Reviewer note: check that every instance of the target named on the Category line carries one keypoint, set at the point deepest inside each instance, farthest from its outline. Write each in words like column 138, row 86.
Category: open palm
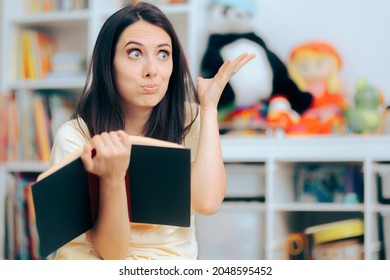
column 210, row 90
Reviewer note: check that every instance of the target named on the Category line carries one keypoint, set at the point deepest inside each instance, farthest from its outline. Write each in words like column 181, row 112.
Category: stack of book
column 30, row 123
column 21, row 236
column 44, row 6
column 67, row 65
column 33, row 54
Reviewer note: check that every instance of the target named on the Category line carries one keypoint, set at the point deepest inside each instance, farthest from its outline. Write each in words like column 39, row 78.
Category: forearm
column 111, row 231
column 208, row 178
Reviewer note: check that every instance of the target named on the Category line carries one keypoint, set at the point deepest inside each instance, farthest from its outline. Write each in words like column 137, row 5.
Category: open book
column 158, row 192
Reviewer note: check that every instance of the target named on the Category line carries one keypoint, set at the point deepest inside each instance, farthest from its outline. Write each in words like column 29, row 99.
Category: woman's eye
column 135, row 54
column 163, row 55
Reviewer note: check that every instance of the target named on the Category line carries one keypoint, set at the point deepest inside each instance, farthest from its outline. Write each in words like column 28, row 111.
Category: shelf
column 241, row 205
column 382, row 208
column 351, row 148
column 55, row 83
column 52, row 18
column 26, row 166
column 322, row 207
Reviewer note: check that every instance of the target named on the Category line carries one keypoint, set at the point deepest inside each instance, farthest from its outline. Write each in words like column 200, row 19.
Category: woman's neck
column 135, row 122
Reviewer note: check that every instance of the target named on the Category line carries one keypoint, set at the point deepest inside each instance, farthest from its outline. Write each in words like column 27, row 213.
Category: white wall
column 359, row 29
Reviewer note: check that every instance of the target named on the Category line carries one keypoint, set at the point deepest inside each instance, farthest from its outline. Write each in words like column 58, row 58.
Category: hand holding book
column 111, row 156
column 66, row 196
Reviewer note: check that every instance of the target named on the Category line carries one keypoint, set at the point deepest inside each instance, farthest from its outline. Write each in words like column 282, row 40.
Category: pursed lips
column 151, row 87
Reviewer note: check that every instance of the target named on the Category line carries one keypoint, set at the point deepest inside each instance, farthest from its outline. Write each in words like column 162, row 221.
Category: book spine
column 4, row 131
column 42, row 130
column 93, row 187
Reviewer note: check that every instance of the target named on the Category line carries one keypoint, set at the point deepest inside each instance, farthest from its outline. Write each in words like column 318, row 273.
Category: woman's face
column 142, row 65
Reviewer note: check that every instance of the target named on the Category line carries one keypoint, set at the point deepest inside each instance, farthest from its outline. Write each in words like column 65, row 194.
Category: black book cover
column 158, row 192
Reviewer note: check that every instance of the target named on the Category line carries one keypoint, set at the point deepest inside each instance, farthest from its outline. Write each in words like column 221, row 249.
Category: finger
column 223, row 72
column 244, row 60
column 233, row 64
column 101, row 145
column 115, row 140
column 239, row 62
column 124, row 138
column 229, row 68
column 106, row 139
column 97, row 142
column 87, row 158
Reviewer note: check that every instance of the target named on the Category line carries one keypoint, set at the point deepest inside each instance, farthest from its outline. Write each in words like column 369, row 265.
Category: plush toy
column 315, row 67
column 280, row 114
column 365, row 116
column 231, row 33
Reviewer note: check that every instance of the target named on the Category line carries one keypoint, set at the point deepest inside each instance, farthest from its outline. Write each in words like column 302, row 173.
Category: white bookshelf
column 279, row 157
column 74, row 31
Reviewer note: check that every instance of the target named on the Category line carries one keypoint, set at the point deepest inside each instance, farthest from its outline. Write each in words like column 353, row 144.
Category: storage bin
column 236, row 232
column 383, row 183
column 245, row 181
column 341, row 240
column 384, row 235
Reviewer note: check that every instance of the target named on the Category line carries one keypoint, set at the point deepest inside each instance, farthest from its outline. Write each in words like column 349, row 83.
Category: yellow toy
column 315, row 67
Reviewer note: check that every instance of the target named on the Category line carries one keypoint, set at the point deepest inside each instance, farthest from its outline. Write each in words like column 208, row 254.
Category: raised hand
column 210, row 90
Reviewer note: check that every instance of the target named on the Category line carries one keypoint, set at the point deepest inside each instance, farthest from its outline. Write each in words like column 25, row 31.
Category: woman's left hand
column 210, row 90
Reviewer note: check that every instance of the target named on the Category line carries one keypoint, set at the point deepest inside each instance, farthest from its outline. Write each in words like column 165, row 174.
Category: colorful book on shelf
column 33, row 54
column 42, row 128
column 4, row 106
column 44, row 47
column 13, row 130
column 32, row 232
column 10, row 199
column 158, row 192
column 28, row 128
column 28, row 56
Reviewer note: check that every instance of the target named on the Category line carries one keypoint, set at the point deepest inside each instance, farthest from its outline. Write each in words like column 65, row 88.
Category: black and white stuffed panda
column 265, row 76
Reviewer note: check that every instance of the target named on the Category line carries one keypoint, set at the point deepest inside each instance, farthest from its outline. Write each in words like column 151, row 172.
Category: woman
column 139, row 84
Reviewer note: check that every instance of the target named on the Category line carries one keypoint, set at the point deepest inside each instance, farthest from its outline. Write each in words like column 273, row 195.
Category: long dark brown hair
column 99, row 104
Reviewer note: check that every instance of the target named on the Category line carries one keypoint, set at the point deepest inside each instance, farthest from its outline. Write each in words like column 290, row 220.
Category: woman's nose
column 150, row 68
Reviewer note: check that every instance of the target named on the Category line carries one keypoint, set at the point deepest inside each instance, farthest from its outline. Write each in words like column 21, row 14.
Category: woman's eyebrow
column 165, row 45
column 132, row 42
column 139, row 44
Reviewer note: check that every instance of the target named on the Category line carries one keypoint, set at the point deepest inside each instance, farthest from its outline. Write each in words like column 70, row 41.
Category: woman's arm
column 110, row 233
column 208, row 178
